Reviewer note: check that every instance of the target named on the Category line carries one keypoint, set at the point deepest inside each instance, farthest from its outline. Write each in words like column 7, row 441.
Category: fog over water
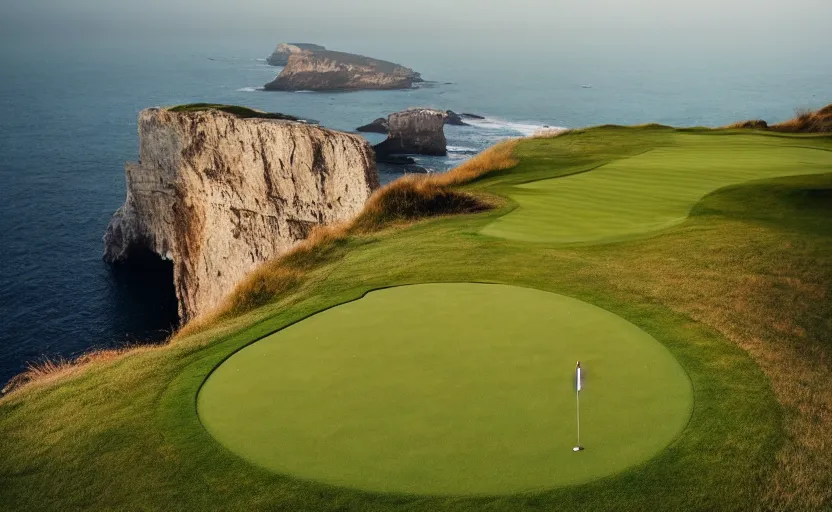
column 76, row 73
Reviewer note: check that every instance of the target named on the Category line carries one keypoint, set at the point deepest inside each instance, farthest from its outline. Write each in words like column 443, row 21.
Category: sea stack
column 280, row 55
column 380, row 124
column 415, row 131
column 218, row 194
column 339, row 71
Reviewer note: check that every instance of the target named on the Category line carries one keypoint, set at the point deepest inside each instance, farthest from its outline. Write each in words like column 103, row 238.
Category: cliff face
column 338, row 71
column 280, row 55
column 218, row 195
column 417, row 131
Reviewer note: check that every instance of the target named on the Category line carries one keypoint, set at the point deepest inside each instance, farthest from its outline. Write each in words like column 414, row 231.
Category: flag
column 578, row 376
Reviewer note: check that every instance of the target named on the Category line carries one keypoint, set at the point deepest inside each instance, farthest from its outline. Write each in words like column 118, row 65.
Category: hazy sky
column 797, row 23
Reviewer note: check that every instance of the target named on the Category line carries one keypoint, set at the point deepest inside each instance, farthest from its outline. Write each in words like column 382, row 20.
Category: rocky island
column 415, row 131
column 220, row 190
column 338, row 71
column 280, row 55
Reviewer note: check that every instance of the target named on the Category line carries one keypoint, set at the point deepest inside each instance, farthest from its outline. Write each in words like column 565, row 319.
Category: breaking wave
column 519, row 128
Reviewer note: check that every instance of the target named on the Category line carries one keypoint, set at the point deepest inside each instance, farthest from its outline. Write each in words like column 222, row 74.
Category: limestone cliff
column 280, row 55
column 417, row 131
column 339, row 71
column 218, row 195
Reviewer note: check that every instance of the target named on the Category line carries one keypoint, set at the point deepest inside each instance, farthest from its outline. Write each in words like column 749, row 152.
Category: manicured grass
column 738, row 293
column 449, row 389
column 647, row 192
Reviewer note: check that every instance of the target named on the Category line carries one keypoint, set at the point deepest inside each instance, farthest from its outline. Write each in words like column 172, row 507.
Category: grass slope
column 738, row 293
column 449, row 389
column 649, row 191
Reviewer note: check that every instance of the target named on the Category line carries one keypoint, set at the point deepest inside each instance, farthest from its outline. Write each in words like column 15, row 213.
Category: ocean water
column 68, row 123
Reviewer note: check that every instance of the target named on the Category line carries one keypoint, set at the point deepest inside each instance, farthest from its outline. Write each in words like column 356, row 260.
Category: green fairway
column 449, row 389
column 647, row 192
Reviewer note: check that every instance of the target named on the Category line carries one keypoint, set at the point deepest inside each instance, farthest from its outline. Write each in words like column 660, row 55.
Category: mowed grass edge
column 369, row 395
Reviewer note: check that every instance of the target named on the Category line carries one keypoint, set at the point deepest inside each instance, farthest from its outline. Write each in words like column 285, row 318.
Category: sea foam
column 525, row 129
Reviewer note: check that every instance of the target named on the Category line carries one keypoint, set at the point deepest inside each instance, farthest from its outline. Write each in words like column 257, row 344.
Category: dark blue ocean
column 68, row 124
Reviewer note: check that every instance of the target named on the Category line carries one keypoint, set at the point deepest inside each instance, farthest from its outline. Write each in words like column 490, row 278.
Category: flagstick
column 578, row 405
column 578, row 409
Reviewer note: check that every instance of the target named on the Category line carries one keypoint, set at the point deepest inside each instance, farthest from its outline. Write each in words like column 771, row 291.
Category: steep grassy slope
column 738, row 293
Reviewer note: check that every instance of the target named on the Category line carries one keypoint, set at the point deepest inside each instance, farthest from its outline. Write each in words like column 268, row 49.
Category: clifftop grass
column 241, row 112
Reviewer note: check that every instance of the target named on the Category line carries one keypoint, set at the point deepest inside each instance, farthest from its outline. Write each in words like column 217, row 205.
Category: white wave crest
column 525, row 129
column 462, row 149
column 250, row 89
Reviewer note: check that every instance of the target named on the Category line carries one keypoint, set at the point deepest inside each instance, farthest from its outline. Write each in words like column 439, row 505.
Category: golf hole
column 449, row 389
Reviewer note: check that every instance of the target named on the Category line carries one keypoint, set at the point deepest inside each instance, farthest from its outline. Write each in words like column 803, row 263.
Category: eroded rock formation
column 415, row 131
column 454, row 119
column 339, row 71
column 380, row 124
column 218, row 195
column 280, row 55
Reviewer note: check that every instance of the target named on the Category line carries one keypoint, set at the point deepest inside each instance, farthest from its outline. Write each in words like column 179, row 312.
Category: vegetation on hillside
column 738, row 293
column 805, row 121
column 408, row 199
column 241, row 112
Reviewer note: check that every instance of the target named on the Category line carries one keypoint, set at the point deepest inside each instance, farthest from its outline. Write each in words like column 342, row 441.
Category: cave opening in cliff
column 145, row 296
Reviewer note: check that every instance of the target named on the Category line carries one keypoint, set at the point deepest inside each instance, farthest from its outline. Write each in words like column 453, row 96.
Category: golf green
column 449, row 389
column 647, row 192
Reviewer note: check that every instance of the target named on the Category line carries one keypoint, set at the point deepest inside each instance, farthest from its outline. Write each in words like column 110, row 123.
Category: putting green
column 648, row 192
column 449, row 389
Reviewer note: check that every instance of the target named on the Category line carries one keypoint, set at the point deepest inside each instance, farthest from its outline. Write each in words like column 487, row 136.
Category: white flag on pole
column 578, row 376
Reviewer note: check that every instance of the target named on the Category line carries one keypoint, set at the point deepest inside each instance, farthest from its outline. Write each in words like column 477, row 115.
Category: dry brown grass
column 412, row 198
column 808, row 121
column 402, row 202
column 752, row 124
column 272, row 278
column 50, row 369
column 804, row 121
column 496, row 158
column 548, row 133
